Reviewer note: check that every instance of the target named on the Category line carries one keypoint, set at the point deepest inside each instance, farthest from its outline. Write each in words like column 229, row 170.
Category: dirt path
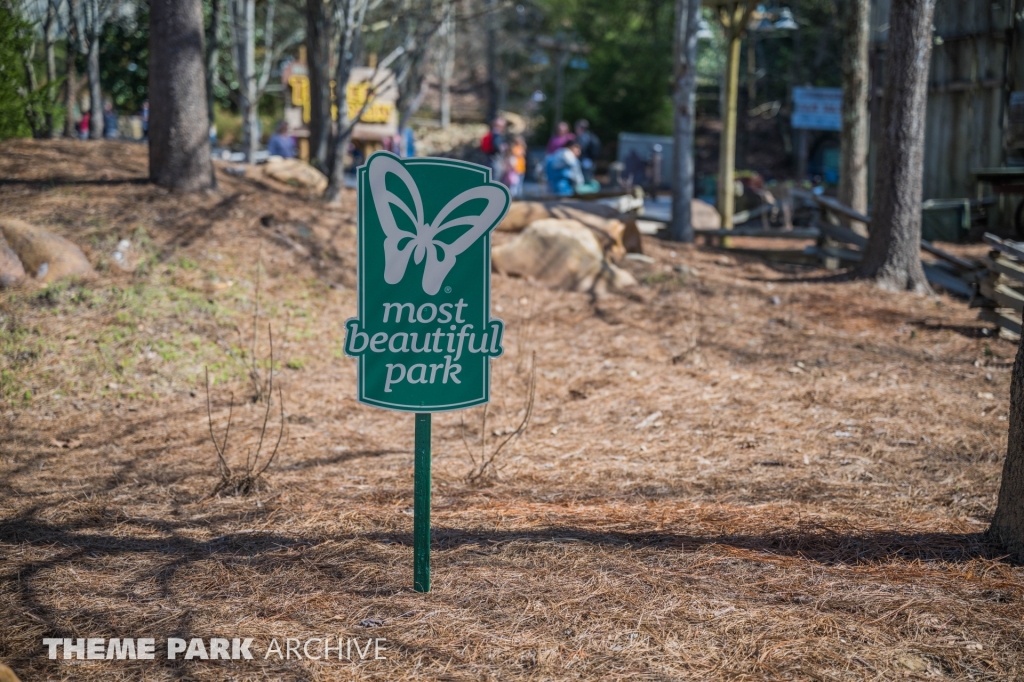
column 732, row 473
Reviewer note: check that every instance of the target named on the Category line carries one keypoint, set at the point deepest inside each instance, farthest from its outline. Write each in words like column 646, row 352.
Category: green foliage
column 711, row 52
column 809, row 55
column 22, row 112
column 124, row 62
column 14, row 41
column 627, row 83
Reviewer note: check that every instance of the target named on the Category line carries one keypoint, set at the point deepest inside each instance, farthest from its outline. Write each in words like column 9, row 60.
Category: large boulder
column 617, row 232
column 704, row 216
column 561, row 254
column 12, row 272
column 44, row 255
column 522, row 213
column 295, row 172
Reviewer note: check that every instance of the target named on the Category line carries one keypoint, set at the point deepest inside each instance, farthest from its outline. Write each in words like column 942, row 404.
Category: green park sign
column 423, row 335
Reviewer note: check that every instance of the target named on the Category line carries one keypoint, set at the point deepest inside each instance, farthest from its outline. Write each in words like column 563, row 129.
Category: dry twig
column 484, row 466
column 250, row 479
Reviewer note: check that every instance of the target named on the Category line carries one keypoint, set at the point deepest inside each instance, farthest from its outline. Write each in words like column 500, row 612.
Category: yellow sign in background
column 379, row 109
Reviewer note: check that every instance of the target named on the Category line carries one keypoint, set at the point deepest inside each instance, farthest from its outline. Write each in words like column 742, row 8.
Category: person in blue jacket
column 109, row 121
column 280, row 143
column 562, row 169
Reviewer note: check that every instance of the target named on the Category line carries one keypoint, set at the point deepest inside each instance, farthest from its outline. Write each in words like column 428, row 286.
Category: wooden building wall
column 976, row 64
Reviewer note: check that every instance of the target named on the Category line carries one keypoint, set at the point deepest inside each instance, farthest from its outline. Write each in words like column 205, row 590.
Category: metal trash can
column 945, row 220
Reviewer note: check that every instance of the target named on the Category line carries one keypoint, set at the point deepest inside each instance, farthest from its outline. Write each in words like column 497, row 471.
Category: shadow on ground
column 820, row 545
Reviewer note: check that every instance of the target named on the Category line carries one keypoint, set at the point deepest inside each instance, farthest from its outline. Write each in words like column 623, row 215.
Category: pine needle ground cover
column 732, row 472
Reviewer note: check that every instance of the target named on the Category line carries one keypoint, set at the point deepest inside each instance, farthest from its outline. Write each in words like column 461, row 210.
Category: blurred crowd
column 507, row 153
column 569, row 159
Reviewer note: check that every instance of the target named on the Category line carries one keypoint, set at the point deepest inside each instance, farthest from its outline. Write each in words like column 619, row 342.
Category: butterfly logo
column 401, row 245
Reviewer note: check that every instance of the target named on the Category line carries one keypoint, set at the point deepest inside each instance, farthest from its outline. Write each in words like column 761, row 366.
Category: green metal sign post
column 423, row 336
column 421, row 507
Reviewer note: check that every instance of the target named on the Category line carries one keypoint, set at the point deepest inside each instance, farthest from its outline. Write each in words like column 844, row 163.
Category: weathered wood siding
column 974, row 67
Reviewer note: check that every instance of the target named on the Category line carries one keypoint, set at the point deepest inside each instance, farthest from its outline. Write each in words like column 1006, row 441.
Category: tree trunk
column 70, row 91
column 339, row 146
column 410, row 78
column 350, row 19
column 213, row 53
column 95, row 90
column 853, row 169
column 684, row 90
column 243, row 22
column 412, row 104
column 70, row 77
column 892, row 257
column 1007, row 527
column 28, row 59
column 179, row 148
column 561, row 60
column 51, row 63
column 492, row 63
column 447, row 65
column 318, row 51
column 340, row 140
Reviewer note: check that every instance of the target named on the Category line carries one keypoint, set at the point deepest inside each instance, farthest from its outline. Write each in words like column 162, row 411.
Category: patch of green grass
column 71, row 339
column 295, row 363
column 81, row 296
column 168, row 351
column 20, row 348
column 657, row 278
column 50, row 295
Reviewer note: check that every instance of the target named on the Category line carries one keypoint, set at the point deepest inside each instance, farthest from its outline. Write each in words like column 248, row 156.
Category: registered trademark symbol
column 447, row 290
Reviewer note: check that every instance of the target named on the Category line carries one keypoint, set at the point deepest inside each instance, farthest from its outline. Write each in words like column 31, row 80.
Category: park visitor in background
column 281, row 144
column 515, row 166
column 109, row 121
column 590, row 148
column 495, row 145
column 561, row 135
column 563, row 169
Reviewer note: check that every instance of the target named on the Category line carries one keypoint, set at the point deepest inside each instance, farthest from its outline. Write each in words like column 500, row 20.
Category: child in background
column 563, row 169
column 515, row 166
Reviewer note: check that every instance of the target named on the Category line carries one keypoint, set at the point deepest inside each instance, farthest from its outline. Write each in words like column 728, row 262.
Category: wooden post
column 727, row 151
column 734, row 17
column 421, row 506
column 854, row 138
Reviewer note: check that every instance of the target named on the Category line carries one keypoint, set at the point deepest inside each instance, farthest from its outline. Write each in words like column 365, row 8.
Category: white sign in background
column 818, row 108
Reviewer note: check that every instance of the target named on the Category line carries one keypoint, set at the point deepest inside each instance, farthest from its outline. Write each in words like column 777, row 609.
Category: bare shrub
column 484, row 464
column 248, row 479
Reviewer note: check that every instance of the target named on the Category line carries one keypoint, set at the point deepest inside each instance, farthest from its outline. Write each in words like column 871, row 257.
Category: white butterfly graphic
column 399, row 244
